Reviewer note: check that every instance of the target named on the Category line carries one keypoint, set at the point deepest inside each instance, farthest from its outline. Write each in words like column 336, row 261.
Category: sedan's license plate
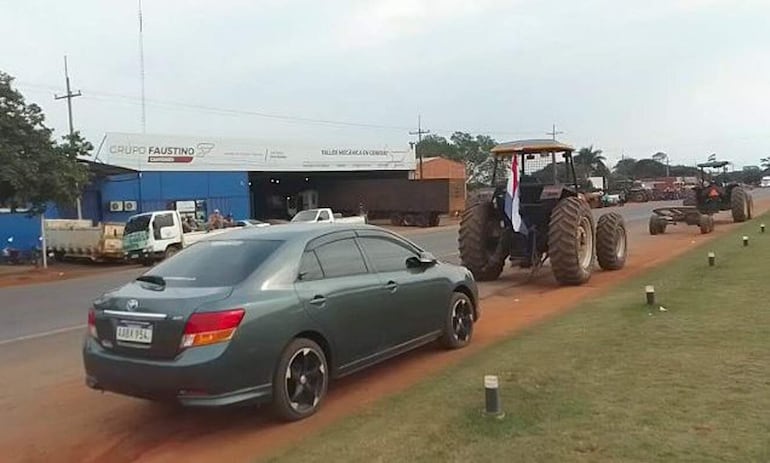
column 134, row 333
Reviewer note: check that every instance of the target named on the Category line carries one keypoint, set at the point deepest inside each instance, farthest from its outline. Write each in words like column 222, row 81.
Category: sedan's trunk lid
column 146, row 318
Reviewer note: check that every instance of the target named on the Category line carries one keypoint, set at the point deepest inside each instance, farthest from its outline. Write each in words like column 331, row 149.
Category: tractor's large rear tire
column 571, row 241
column 482, row 240
column 611, row 241
column 739, row 201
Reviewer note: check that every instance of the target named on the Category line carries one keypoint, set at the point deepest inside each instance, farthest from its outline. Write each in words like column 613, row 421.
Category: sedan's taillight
column 92, row 322
column 211, row 327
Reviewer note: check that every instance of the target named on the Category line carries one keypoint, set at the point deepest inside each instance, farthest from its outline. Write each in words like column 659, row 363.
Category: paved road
column 37, row 310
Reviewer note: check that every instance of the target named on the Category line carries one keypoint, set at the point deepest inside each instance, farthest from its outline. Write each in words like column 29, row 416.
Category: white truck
column 325, row 215
column 80, row 239
column 765, row 182
column 153, row 236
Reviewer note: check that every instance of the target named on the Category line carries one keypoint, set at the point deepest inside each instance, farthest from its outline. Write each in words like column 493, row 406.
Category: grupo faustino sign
column 178, row 153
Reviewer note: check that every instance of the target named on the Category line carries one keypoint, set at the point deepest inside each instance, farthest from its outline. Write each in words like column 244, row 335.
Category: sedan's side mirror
column 425, row 259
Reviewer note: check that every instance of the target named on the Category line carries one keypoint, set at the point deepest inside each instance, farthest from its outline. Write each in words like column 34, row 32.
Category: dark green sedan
column 272, row 314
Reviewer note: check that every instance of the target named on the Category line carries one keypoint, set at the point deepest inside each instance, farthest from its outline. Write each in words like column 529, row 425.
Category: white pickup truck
column 325, row 215
column 153, row 236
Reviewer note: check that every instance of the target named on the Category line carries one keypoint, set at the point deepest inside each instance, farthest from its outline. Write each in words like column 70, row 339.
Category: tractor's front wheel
column 706, row 224
column 611, row 243
column 571, row 241
column 739, row 201
column 482, row 242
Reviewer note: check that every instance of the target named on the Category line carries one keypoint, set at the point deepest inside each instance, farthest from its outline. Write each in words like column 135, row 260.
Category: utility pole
column 420, row 132
column 141, row 66
column 553, row 134
column 69, row 96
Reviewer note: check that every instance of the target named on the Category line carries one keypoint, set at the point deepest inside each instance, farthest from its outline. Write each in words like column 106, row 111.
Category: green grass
column 610, row 381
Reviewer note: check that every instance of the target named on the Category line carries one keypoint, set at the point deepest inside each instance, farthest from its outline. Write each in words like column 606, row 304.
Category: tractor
column 713, row 195
column 556, row 223
column 702, row 201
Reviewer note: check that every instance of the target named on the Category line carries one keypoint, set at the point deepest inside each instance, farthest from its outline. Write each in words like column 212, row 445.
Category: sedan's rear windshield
column 215, row 263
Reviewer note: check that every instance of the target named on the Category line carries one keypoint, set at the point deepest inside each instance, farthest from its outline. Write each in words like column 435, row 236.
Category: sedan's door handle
column 318, row 300
column 391, row 286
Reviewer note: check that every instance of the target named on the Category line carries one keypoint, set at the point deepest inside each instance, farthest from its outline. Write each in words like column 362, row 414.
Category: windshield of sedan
column 215, row 263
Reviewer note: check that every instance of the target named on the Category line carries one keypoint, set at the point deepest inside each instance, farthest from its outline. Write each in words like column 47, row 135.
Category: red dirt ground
column 27, row 275
column 49, row 415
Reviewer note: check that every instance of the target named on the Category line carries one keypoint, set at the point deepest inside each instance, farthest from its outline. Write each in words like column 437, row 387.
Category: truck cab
column 152, row 236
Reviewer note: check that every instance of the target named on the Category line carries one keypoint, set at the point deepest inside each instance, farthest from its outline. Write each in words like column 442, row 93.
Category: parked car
column 248, row 223
column 325, row 215
column 272, row 314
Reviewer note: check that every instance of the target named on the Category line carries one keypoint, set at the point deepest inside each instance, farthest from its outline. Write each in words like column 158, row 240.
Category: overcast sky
column 688, row 77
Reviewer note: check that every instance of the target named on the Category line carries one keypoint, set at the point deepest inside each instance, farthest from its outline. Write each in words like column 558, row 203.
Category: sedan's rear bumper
column 204, row 381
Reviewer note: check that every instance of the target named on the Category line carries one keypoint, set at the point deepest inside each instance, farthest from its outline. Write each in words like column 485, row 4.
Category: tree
column 625, row 167
column 476, row 153
column 648, row 168
column 473, row 151
column 35, row 169
column 752, row 177
column 765, row 162
column 436, row 146
column 590, row 162
column 684, row 171
column 660, row 156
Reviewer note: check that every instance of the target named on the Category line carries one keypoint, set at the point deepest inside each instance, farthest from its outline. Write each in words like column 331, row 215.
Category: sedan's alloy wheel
column 305, row 379
column 462, row 320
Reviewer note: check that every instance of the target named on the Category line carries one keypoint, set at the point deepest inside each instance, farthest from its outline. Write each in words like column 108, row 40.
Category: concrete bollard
column 745, row 241
column 650, row 292
column 762, row 228
column 712, row 259
column 492, row 397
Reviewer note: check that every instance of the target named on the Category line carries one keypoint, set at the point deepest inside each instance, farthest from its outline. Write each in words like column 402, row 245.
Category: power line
column 168, row 104
column 419, row 134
